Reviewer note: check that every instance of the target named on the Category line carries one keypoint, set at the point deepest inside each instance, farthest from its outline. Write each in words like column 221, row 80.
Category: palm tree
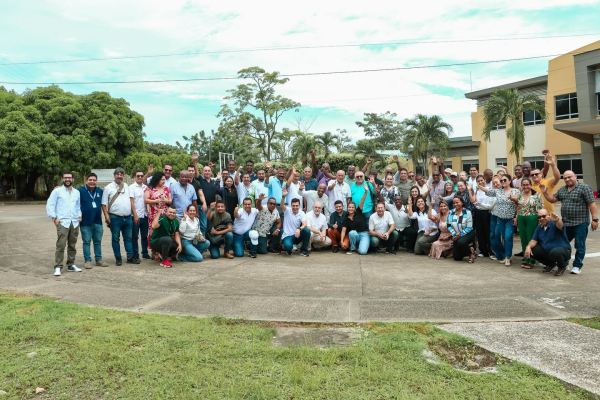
column 326, row 140
column 303, row 144
column 368, row 148
column 423, row 134
column 507, row 106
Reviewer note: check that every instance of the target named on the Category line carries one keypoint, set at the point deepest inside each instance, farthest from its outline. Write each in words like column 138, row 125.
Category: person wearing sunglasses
column 537, row 179
column 549, row 243
column 167, row 170
column 506, row 210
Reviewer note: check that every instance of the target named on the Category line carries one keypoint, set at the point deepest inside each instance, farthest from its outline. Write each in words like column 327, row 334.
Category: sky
column 234, row 35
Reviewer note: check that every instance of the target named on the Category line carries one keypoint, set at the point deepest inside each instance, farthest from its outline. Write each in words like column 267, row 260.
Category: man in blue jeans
column 578, row 202
column 244, row 219
column 267, row 223
column 91, row 221
column 221, row 230
column 294, row 226
column 118, row 207
column 140, row 218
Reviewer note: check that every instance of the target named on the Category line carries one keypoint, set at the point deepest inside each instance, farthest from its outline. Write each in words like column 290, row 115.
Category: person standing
column 482, row 216
column 355, row 226
column 250, row 170
column 312, row 196
column 140, row 217
column 357, row 192
column 257, row 187
column 206, row 196
column 167, row 171
column 403, row 183
column 339, row 190
column 118, row 207
column 349, row 177
column 473, row 173
column 442, row 247
column 537, row 179
column 577, row 203
column 183, row 194
column 91, row 221
column 64, row 207
column 310, row 183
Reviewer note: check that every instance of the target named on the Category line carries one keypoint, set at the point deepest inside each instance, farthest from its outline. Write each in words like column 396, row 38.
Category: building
column 571, row 91
column 462, row 153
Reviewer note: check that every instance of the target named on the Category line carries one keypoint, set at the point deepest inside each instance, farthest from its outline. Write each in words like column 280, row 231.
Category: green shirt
column 166, row 227
column 216, row 218
column 405, row 189
column 349, row 181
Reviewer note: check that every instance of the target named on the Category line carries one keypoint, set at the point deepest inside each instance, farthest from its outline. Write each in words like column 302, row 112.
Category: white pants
column 317, row 243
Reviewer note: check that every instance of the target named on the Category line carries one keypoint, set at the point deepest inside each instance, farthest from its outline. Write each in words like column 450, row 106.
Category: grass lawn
column 90, row 353
column 589, row 322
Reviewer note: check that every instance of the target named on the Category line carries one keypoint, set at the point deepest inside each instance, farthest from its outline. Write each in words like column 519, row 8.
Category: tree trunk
column 29, row 185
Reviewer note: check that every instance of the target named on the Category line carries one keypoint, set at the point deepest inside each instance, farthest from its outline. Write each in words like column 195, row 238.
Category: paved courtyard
column 324, row 287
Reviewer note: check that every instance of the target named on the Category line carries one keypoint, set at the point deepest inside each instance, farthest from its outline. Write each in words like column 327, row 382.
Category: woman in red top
column 158, row 197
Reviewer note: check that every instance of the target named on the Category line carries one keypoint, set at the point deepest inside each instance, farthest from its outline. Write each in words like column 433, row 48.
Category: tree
column 383, row 127
column 304, row 143
column 326, row 140
column 506, row 106
column 257, row 107
column 423, row 134
column 161, row 148
column 369, row 149
column 343, row 142
column 283, row 144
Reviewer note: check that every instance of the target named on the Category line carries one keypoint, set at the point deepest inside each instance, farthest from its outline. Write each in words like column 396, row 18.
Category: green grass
column 589, row 322
column 90, row 353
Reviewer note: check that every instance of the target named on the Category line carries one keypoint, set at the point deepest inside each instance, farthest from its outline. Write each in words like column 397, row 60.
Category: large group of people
column 240, row 210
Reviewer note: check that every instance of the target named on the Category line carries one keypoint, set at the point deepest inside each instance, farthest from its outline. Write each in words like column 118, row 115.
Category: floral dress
column 444, row 242
column 529, row 206
column 156, row 210
column 389, row 194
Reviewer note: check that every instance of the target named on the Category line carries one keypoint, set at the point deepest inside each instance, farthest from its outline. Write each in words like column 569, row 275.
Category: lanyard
column 92, row 195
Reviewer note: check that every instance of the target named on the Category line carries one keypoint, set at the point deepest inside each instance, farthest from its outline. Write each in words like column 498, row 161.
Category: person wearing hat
column 242, row 229
column 454, row 179
column 118, row 208
column 316, row 222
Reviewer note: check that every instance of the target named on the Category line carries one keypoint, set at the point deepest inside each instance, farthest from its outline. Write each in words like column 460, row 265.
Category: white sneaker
column 576, row 270
column 480, row 255
column 57, row 271
column 295, row 248
column 73, row 268
column 507, row 262
column 493, row 258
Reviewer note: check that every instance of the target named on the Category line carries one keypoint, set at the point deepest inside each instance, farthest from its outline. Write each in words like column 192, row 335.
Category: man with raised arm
column 268, row 225
column 294, row 226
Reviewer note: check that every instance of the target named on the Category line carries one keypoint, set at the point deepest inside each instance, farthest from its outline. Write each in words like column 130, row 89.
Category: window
column 499, row 126
column 500, row 161
column 597, row 103
column 532, row 118
column 536, row 162
column 570, row 162
column 566, row 106
column 466, row 165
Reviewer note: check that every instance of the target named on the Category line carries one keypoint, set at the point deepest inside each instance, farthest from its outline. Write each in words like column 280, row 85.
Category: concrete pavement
column 324, row 287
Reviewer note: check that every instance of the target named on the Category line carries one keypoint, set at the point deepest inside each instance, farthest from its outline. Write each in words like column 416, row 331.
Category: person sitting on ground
column 427, row 230
column 442, row 247
column 221, row 231
column 192, row 241
column 550, row 244
column 336, row 221
column 355, row 224
column 401, row 224
column 312, row 196
column 460, row 225
column 529, row 202
column 294, row 226
column 382, row 230
column 165, row 240
column 242, row 228
column 316, row 222
column 268, row 225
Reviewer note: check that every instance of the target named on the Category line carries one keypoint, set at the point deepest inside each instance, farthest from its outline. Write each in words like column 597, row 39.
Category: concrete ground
column 324, row 287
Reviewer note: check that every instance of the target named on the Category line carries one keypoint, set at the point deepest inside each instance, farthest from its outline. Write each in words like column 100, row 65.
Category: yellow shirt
column 549, row 183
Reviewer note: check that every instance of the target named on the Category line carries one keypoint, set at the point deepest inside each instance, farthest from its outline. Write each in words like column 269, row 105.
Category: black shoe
column 272, row 251
column 133, row 260
column 252, row 255
column 304, row 253
column 390, row 252
column 146, row 257
column 335, row 249
column 549, row 267
column 119, row 261
column 519, row 254
column 289, row 252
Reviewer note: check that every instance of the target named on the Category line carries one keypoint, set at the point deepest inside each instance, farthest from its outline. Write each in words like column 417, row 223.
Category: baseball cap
column 454, row 174
column 253, row 237
column 448, row 171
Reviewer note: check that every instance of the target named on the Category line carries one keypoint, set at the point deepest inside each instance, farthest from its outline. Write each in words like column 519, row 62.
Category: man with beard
column 118, row 207
column 267, row 224
column 550, row 244
column 64, row 207
column 312, row 196
column 242, row 228
column 257, row 187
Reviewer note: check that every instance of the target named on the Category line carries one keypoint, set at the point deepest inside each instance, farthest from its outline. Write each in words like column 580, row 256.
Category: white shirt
column 293, row 193
column 243, row 192
column 425, row 224
column 381, row 224
column 292, row 221
column 138, row 199
column 472, row 181
column 188, row 228
column 257, row 188
column 319, row 223
column 168, row 182
column 311, row 197
column 400, row 217
column 339, row 192
column 65, row 205
column 243, row 223
column 122, row 205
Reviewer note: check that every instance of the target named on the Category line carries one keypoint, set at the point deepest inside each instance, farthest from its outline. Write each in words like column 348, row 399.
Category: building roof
column 540, row 80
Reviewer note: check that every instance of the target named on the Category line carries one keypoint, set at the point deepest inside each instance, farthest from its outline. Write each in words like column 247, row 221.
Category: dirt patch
column 315, row 337
column 29, row 310
column 466, row 356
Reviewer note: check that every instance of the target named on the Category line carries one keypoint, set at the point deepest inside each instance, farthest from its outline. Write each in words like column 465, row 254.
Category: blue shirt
column 275, row 187
column 357, row 194
column 65, row 206
column 182, row 198
column 551, row 237
column 89, row 214
column 311, row 184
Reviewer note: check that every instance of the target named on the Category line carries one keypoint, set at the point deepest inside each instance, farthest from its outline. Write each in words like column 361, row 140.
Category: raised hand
column 212, row 205
column 311, row 152
column 549, row 159
column 150, row 169
column 184, row 216
column 284, row 192
column 395, row 158
column 369, row 160
column 235, row 211
column 469, row 187
column 554, row 217
column 210, row 165
column 268, row 164
column 434, row 159
column 377, row 188
column 194, row 156
column 301, row 185
column 219, row 175
column 543, row 188
column 240, row 168
column 261, row 197
column 409, row 203
column 441, row 160
column 365, row 186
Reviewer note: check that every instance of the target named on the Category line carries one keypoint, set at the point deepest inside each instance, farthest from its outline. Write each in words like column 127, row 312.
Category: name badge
column 93, row 204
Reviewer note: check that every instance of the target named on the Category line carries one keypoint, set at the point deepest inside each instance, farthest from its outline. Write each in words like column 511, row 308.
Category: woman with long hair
column 414, row 194
column 528, row 204
column 460, row 225
column 228, row 194
column 481, row 216
column 506, row 210
column 490, row 206
column 462, row 192
column 388, row 190
column 158, row 197
column 442, row 247
column 427, row 231
column 356, row 227
column 448, row 191
column 192, row 242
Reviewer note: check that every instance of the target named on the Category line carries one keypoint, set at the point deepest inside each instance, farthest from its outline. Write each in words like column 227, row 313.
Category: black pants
column 166, row 246
column 559, row 255
column 462, row 247
column 482, row 227
column 408, row 235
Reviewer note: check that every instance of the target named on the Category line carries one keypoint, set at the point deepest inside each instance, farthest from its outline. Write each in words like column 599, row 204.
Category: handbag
column 217, row 240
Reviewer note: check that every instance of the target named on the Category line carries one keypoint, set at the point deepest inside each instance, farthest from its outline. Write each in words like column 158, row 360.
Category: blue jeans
column 290, row 241
column 262, row 242
column 91, row 233
column 368, row 215
column 506, row 230
column 203, row 220
column 238, row 244
column 493, row 223
column 118, row 225
column 191, row 252
column 363, row 239
column 214, row 250
column 140, row 229
column 579, row 233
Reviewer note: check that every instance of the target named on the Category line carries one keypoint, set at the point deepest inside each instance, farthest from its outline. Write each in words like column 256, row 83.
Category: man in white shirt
column 244, row 187
column 339, row 190
column 118, row 207
column 168, row 171
column 312, row 196
column 294, row 226
column 140, row 217
column 293, row 188
column 242, row 228
column 472, row 176
column 316, row 222
column 257, row 187
column 401, row 222
column 382, row 230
